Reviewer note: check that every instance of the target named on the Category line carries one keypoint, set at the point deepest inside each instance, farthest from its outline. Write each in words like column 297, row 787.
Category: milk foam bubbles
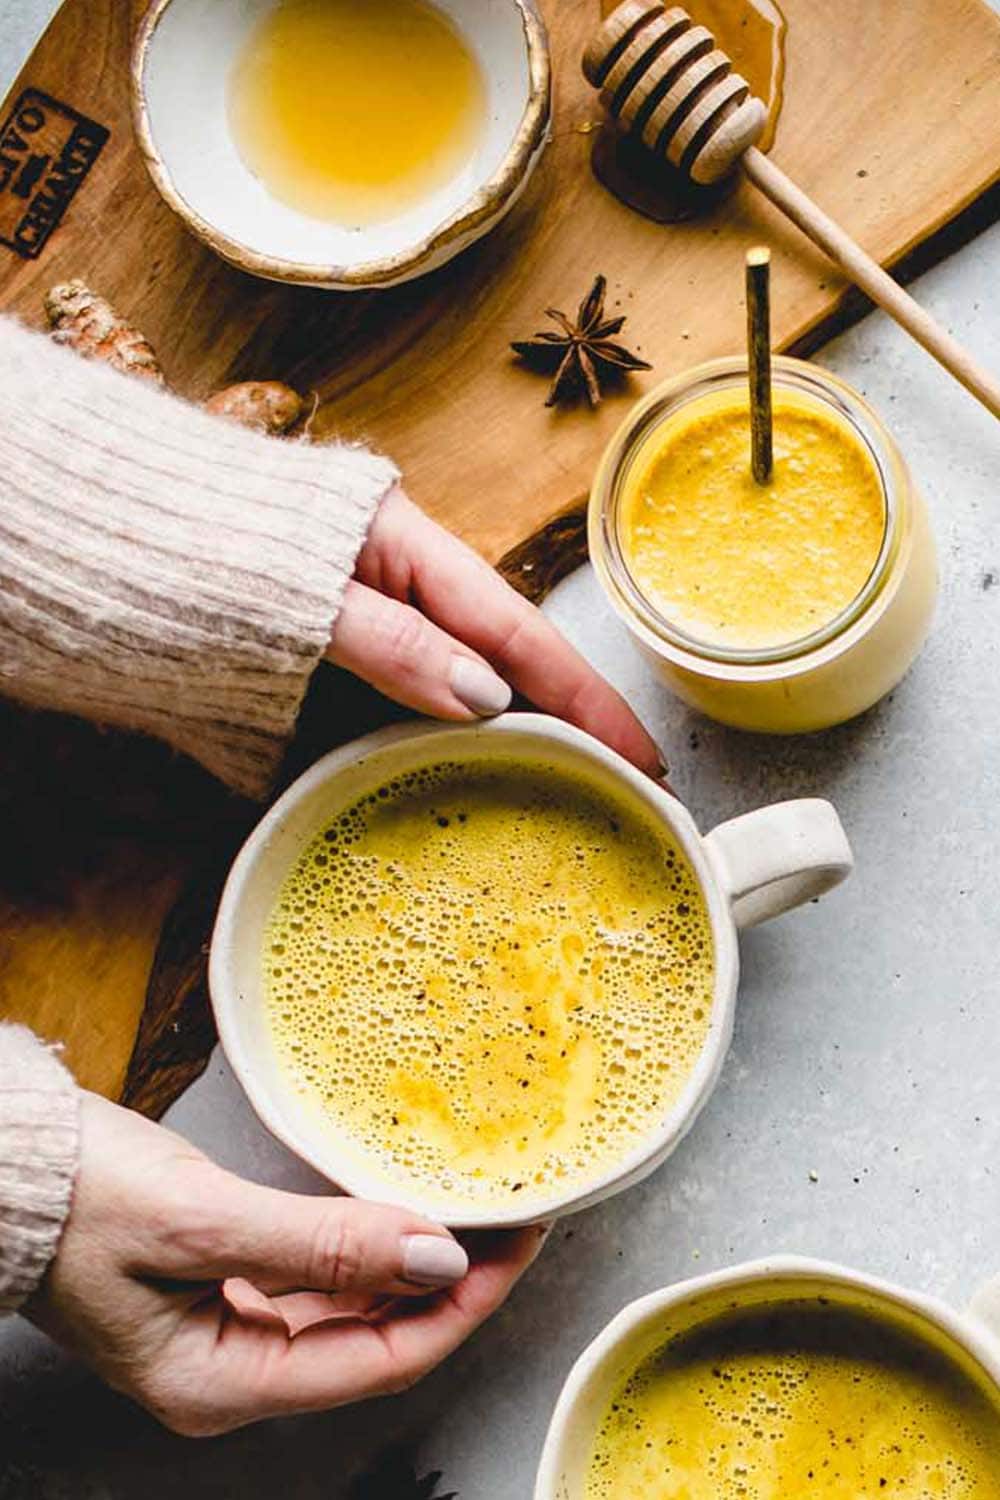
column 493, row 976
column 809, row 1399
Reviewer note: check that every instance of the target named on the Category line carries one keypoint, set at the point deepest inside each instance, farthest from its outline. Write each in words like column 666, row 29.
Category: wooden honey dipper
column 663, row 79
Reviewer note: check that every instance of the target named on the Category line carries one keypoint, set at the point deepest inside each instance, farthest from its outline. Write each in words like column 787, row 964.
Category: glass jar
column 820, row 679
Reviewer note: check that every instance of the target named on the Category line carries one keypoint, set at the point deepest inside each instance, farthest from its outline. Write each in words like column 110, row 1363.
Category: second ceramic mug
column 972, row 1337
column 749, row 869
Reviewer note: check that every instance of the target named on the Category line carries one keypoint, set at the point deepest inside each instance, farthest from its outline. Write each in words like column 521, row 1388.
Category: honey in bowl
column 804, row 1398
column 493, row 976
column 355, row 112
column 742, row 565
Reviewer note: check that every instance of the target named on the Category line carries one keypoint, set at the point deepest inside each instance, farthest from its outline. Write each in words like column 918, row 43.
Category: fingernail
column 431, row 1260
column 479, row 687
column 663, row 777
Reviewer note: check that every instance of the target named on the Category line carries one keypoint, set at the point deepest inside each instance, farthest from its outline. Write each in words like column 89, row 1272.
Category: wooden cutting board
column 110, row 849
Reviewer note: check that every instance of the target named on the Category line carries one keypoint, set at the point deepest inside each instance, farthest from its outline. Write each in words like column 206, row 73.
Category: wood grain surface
column 112, row 850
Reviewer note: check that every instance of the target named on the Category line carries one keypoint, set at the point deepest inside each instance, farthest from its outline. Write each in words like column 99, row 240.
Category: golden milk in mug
column 488, row 971
column 786, row 1377
column 809, row 1396
column 782, row 607
column 493, row 974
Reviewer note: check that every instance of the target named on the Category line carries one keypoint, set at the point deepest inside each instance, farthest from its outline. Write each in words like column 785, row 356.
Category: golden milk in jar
column 781, row 607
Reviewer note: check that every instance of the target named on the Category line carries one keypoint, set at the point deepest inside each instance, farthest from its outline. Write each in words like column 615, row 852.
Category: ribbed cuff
column 165, row 570
column 39, row 1148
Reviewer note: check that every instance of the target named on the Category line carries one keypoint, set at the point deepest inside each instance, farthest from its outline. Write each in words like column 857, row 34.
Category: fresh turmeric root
column 265, row 405
column 85, row 322
column 88, row 324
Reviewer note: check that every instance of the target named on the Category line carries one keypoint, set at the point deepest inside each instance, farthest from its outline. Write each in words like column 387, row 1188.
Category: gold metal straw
column 758, row 275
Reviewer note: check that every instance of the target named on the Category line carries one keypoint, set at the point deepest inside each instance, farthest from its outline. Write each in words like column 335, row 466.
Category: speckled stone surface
column 867, row 1046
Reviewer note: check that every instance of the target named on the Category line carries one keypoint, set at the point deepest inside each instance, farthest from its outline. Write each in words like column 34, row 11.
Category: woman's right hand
column 215, row 1302
column 429, row 623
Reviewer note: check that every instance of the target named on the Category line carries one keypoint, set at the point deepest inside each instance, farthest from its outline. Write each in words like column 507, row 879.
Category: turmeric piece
column 88, row 324
column 265, row 405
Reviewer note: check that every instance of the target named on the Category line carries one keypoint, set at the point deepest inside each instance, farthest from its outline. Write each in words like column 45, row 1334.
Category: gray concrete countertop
column 857, row 1116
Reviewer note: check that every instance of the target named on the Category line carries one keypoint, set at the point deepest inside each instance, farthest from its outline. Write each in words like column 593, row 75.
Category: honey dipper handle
column 870, row 277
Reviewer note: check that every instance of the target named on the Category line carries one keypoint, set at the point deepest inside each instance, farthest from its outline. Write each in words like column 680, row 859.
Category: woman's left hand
column 215, row 1302
column 429, row 623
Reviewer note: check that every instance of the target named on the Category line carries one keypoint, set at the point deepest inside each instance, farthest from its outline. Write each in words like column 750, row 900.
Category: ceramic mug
column 645, row 1325
column 749, row 869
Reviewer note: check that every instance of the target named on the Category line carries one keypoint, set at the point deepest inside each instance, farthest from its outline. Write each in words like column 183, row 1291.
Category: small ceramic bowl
column 183, row 56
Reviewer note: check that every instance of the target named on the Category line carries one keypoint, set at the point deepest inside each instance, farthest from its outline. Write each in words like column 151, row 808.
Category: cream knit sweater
column 164, row 571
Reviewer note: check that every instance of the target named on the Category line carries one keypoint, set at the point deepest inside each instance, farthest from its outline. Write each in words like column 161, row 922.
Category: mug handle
column 778, row 857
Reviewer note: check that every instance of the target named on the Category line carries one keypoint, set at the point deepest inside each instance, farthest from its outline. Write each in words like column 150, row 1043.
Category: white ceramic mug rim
column 969, row 1332
column 658, row 1143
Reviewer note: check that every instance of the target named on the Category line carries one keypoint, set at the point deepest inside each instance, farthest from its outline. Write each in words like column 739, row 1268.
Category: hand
column 330, row 1298
column 429, row 623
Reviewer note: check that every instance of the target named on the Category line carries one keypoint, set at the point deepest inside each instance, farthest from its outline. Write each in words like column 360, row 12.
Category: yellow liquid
column 804, row 1402
column 493, row 976
column 742, row 565
column 353, row 111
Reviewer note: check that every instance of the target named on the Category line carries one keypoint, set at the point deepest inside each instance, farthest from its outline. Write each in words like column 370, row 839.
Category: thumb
column 284, row 1241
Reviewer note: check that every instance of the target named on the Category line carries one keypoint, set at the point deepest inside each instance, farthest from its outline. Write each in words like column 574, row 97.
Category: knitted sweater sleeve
column 39, row 1109
column 163, row 570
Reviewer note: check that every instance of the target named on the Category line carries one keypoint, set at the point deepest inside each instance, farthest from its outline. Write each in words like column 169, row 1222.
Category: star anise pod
column 581, row 352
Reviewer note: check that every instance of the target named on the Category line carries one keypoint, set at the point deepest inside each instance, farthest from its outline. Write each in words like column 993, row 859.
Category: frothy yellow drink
column 810, row 1400
column 493, row 976
column 741, row 565
column 352, row 111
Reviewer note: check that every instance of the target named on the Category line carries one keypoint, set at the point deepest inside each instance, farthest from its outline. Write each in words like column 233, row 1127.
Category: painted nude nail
column 431, row 1260
column 479, row 687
